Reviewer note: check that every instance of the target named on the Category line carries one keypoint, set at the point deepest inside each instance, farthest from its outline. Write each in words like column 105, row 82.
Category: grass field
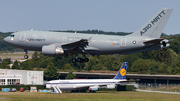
column 98, row 96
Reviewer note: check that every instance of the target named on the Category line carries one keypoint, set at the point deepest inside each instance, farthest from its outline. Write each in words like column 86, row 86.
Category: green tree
column 141, row 66
column 67, row 67
column 70, row 75
column 4, row 65
column 51, row 72
column 26, row 65
column 8, row 60
column 35, row 55
column 16, row 65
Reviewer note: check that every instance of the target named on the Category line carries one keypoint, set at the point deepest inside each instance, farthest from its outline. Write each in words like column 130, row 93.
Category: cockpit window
column 11, row 35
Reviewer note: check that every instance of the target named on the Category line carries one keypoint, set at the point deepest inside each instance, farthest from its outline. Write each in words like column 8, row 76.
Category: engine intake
column 59, row 50
column 52, row 50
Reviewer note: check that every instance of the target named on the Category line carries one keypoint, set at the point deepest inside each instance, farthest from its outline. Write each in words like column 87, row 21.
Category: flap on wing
column 83, row 86
column 154, row 41
column 91, row 48
column 81, row 43
column 76, row 43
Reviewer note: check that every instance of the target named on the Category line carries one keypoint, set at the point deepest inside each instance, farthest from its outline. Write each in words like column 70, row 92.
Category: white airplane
column 89, row 84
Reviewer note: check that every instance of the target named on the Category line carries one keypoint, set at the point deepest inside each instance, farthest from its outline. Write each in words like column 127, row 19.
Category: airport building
column 25, row 77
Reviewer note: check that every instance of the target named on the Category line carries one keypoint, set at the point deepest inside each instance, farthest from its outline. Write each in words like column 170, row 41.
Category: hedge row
column 26, row 87
column 125, row 88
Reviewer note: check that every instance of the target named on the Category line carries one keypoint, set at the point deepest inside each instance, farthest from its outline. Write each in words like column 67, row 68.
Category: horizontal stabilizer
column 153, row 41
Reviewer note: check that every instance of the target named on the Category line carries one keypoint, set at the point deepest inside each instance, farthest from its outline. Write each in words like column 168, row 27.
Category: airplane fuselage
column 64, row 44
column 98, row 44
column 82, row 84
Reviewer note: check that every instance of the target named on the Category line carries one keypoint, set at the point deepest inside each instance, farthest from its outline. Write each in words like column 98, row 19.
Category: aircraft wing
column 83, row 86
column 77, row 44
column 89, row 85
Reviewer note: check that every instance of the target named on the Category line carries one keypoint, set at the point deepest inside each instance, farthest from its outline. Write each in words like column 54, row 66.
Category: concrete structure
column 26, row 77
column 139, row 78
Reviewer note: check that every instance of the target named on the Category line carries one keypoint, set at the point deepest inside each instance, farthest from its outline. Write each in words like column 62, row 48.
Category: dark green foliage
column 103, row 62
column 51, row 72
column 130, row 59
column 27, row 65
column 70, row 75
column 130, row 87
column 67, row 67
column 35, row 56
column 16, row 65
column 5, row 63
column 125, row 88
column 140, row 65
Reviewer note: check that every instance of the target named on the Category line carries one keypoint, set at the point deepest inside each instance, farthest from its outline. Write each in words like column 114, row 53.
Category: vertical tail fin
column 154, row 27
column 122, row 72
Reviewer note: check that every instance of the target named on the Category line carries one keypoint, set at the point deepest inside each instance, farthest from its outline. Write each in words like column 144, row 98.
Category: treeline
column 162, row 61
column 95, row 32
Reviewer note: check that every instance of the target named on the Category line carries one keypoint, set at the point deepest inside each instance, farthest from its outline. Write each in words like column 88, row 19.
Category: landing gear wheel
column 26, row 56
column 79, row 59
column 86, row 60
column 82, row 60
column 73, row 60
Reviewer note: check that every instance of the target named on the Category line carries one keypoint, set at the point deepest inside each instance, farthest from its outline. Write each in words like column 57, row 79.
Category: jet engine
column 164, row 42
column 93, row 88
column 112, row 86
column 53, row 50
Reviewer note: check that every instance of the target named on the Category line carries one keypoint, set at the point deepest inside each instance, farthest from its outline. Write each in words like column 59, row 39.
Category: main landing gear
column 25, row 56
column 80, row 60
column 77, row 59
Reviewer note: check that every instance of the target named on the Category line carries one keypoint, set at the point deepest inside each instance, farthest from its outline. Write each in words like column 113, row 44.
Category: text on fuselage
column 156, row 19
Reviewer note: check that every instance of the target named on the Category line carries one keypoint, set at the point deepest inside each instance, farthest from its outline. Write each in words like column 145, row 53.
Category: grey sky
column 106, row 15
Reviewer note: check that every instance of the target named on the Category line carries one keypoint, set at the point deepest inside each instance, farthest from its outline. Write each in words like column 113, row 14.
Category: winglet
column 122, row 72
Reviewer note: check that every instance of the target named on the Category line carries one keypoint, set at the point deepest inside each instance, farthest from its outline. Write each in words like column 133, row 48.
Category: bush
column 125, row 87
column 130, row 87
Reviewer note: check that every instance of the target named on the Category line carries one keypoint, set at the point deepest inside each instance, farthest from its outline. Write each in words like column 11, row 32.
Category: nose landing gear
column 26, row 56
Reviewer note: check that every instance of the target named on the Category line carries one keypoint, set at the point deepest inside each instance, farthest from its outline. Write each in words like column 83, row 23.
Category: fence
column 160, row 87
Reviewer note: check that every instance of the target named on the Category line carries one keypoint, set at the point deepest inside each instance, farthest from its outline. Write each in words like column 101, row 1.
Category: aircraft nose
column 6, row 39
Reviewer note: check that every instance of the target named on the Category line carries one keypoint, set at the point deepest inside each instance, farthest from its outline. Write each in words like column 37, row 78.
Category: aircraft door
column 123, row 42
column 22, row 37
column 64, row 40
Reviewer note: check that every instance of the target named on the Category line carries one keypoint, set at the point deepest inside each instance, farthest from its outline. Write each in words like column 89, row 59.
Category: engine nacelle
column 112, row 86
column 164, row 42
column 94, row 88
column 167, row 45
column 52, row 50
